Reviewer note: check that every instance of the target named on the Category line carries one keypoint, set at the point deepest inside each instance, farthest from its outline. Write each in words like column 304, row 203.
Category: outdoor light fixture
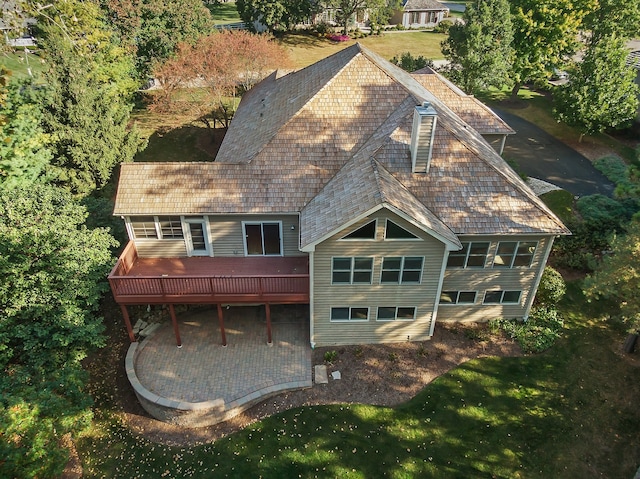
column 293, row 227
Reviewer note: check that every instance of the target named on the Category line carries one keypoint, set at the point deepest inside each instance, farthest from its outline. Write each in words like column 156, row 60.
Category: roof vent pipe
column 425, row 118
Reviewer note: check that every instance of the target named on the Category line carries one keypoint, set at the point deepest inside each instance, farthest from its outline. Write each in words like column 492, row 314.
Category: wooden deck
column 282, row 280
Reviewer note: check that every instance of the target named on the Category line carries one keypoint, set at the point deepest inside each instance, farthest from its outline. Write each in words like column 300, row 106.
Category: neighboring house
column 353, row 187
column 420, row 14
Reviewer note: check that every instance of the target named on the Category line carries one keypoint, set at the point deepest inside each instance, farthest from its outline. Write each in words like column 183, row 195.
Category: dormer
column 425, row 118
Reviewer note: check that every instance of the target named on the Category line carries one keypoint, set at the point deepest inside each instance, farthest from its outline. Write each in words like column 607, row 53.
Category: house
column 353, row 187
column 420, row 14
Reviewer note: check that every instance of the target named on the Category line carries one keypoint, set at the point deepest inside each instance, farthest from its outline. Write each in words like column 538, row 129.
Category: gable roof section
column 475, row 113
column 372, row 187
column 294, row 135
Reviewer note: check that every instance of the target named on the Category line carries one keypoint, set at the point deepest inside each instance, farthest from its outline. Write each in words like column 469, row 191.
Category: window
column 415, row 17
column 394, row 232
column 458, row 297
column 402, row 270
column 349, row 314
column 472, row 255
column 171, row 227
column 156, row 227
column 514, row 253
column 262, row 239
column 366, row 232
column 393, row 313
column 502, row 297
column 352, row 270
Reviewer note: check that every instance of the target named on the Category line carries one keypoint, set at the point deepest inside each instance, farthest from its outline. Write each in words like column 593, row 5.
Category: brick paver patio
column 203, row 370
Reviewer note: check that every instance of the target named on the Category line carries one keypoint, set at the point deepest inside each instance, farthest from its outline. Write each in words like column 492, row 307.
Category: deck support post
column 174, row 320
column 127, row 322
column 221, row 322
column 268, row 314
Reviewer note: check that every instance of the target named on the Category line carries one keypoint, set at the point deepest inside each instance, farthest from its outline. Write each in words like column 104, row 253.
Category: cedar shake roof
column 467, row 107
column 331, row 142
column 410, row 5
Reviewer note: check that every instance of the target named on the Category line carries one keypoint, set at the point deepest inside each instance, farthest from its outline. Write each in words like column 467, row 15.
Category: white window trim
column 350, row 320
column 458, row 303
column 502, row 291
column 156, row 225
column 261, row 223
column 187, row 235
column 417, row 238
column 400, row 282
column 415, row 312
column 353, row 270
column 515, row 254
column 375, row 236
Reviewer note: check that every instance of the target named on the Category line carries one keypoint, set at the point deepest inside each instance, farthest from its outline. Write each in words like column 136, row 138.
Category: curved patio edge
column 199, row 414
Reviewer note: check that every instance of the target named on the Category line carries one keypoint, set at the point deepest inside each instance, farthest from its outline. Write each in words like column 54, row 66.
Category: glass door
column 197, row 238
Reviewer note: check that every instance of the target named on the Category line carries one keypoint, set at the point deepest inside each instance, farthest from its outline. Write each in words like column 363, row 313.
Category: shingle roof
column 470, row 109
column 298, row 142
column 423, row 5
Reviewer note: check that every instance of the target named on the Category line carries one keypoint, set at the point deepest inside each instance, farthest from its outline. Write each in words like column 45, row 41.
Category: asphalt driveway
column 540, row 155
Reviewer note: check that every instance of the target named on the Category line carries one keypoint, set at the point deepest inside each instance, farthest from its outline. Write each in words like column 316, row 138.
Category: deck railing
column 213, row 289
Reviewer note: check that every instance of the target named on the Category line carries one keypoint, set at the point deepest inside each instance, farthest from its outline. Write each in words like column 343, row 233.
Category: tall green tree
column 24, row 146
column 601, row 94
column 612, row 17
column 545, row 34
column 276, row 15
column 52, row 276
column 479, row 50
column 153, row 28
column 618, row 277
column 88, row 101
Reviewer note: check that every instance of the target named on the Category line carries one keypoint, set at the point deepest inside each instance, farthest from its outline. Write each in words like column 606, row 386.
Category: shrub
column 535, row 335
column 410, row 63
column 613, row 168
column 597, row 208
column 330, row 356
column 443, row 27
column 551, row 289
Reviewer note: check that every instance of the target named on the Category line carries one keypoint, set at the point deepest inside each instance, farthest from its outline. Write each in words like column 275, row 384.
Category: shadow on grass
column 187, row 143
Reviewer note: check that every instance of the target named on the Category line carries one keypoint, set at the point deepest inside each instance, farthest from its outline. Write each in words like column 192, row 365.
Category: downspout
column 311, row 335
column 445, row 259
column 504, row 141
column 532, row 291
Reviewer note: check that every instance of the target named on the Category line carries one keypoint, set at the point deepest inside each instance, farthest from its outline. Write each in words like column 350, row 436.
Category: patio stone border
column 196, row 414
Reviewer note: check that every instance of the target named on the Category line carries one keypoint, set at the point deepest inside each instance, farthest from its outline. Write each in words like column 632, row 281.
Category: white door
column 196, row 237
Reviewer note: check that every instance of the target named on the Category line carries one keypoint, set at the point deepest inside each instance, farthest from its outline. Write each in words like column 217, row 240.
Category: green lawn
column 224, row 12
column 305, row 49
column 571, row 413
column 18, row 64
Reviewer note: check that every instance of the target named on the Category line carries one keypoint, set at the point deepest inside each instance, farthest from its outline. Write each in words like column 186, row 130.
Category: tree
column 618, row 277
column 612, row 17
column 410, row 63
column 479, row 50
column 346, row 9
column 202, row 77
column 602, row 93
column 153, row 28
column 52, row 277
column 88, row 100
column 545, row 33
column 276, row 14
column 24, row 147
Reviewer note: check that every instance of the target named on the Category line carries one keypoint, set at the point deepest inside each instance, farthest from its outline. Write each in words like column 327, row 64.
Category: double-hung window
column 502, row 297
column 458, row 297
column 349, row 314
column 396, row 313
column 512, row 254
column 352, row 270
column 472, row 255
column 156, row 227
column 402, row 270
